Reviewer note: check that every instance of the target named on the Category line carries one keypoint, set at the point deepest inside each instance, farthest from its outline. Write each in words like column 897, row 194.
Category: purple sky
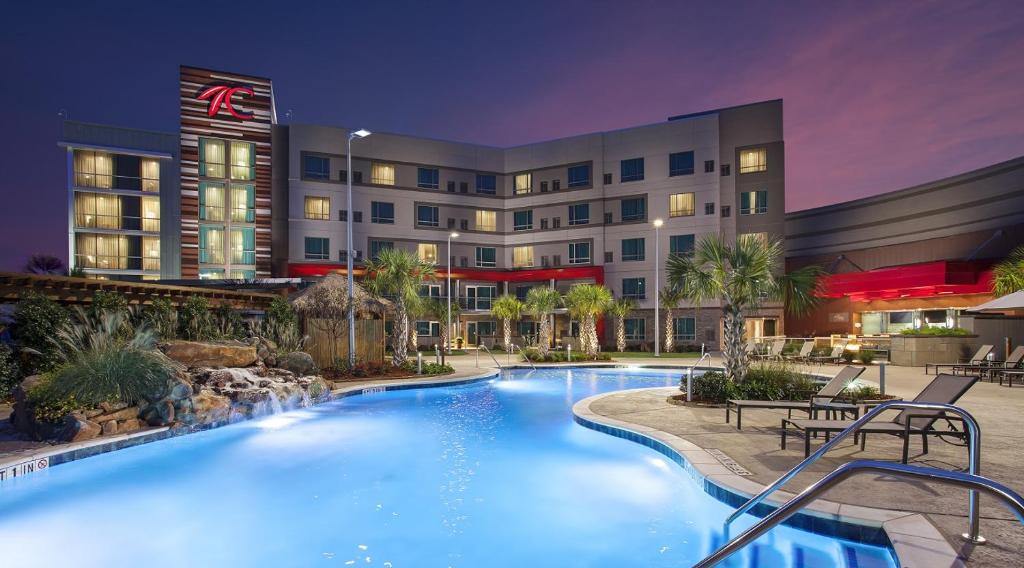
column 878, row 96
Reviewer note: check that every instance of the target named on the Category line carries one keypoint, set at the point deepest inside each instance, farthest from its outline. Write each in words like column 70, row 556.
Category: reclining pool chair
column 829, row 392
column 944, row 389
column 977, row 360
column 990, row 368
column 805, row 352
column 775, row 351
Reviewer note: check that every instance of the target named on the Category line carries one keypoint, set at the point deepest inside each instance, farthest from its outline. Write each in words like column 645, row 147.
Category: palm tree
column 540, row 302
column 507, row 308
column 415, row 310
column 398, row 274
column 44, row 264
column 742, row 276
column 586, row 303
column 1008, row 275
column 670, row 297
column 440, row 308
column 619, row 309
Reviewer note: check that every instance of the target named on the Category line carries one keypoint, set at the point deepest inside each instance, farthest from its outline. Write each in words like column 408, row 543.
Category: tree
column 398, row 274
column 742, row 276
column 586, row 303
column 540, row 302
column 440, row 308
column 44, row 264
column 619, row 309
column 507, row 308
column 415, row 308
column 1008, row 275
column 670, row 297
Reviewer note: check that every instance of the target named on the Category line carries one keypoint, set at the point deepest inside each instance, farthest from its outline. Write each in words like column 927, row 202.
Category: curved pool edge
column 914, row 540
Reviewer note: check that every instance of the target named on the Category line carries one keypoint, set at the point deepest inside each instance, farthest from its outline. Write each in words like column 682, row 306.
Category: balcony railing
column 117, row 262
column 117, row 222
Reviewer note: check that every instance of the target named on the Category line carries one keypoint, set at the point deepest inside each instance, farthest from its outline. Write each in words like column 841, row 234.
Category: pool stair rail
column 525, row 356
column 689, row 376
column 488, row 351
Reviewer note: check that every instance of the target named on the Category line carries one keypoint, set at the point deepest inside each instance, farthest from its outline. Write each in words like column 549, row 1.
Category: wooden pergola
column 70, row 290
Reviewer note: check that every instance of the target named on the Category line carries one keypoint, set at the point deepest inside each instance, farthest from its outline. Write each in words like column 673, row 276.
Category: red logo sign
column 220, row 96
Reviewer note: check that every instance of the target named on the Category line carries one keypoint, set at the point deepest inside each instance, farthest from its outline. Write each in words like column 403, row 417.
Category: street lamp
column 448, row 291
column 657, row 296
column 361, row 133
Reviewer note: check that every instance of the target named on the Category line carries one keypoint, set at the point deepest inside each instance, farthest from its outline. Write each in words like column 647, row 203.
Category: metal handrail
column 689, row 376
column 974, row 483
column 525, row 356
column 973, row 447
column 488, row 351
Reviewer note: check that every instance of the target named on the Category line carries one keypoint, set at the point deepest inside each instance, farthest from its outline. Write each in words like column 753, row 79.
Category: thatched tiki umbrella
column 324, row 306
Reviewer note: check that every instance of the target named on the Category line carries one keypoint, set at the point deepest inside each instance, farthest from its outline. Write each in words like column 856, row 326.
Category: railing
column 973, row 446
column 689, row 376
column 116, row 262
column 525, row 356
column 973, row 482
column 488, row 351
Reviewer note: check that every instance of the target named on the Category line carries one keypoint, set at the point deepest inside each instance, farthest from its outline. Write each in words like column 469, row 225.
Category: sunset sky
column 878, row 95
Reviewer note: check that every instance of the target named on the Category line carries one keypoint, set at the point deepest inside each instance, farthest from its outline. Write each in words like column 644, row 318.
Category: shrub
column 227, row 322
column 711, row 386
column 9, row 372
column 50, row 406
column 36, row 318
column 437, row 369
column 161, row 317
column 104, row 301
column 281, row 313
column 931, row 331
column 559, row 357
column 862, row 393
column 848, row 356
column 866, row 356
column 196, row 323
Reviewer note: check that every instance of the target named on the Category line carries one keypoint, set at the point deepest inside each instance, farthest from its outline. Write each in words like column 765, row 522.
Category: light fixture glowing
column 361, row 133
column 658, row 222
column 454, row 235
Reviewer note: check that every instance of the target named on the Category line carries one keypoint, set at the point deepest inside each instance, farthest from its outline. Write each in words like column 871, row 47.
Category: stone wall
column 916, row 351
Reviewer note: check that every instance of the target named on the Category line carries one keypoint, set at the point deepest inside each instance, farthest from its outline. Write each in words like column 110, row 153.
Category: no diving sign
column 24, row 468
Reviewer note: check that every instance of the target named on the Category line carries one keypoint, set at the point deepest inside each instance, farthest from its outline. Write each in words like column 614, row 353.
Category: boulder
column 129, row 425
column 123, row 414
column 297, row 362
column 77, row 430
column 210, row 407
column 180, row 391
column 160, row 413
column 109, row 427
column 197, row 354
column 22, row 417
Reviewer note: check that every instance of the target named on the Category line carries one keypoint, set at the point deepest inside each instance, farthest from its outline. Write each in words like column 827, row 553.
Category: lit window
column 382, row 174
column 101, row 251
column 211, row 244
column 523, row 183
column 486, row 257
column 486, row 184
column 486, row 220
column 317, row 248
column 382, row 212
column 680, row 164
column 684, row 329
column 579, row 175
column 318, row 208
column 522, row 257
column 579, row 214
column 243, row 203
column 634, row 328
column 753, row 160
column 151, row 214
column 150, row 253
column 522, row 220
column 211, row 201
column 579, row 253
column 97, row 211
column 427, row 252
column 93, row 169
column 243, row 274
column 633, row 249
column 425, row 178
column 150, row 175
column 211, row 158
column 680, row 205
column 754, row 202
column 427, row 216
column 631, row 170
column 316, row 167
column 243, row 161
column 243, row 245
column 211, row 273
column 762, row 237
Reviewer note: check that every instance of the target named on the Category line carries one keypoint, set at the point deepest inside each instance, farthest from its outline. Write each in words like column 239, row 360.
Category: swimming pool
column 487, row 474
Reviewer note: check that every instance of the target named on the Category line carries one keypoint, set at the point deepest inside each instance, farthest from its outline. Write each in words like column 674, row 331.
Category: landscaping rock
column 161, row 413
column 180, row 391
column 109, row 427
column 123, row 414
column 297, row 362
column 208, row 406
column 196, row 354
column 132, row 425
column 76, row 430
column 112, row 406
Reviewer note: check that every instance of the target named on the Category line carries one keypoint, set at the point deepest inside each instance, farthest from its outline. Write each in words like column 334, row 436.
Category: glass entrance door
column 471, row 333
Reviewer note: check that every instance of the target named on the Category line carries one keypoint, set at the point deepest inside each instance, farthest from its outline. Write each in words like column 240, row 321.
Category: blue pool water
column 490, row 474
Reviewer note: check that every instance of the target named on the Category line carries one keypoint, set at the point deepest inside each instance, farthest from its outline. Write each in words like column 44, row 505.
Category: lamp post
column 361, row 133
column 657, row 289
column 448, row 291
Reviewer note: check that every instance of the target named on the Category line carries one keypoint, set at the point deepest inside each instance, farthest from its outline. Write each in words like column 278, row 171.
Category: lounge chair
column 750, row 349
column 803, row 354
column 834, row 357
column 990, row 367
column 825, row 396
column 977, row 360
column 775, row 352
column 944, row 389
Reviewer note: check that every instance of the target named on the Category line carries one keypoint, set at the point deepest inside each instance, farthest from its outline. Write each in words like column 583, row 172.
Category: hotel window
column 631, row 170
column 486, row 220
column 211, row 158
column 94, row 169
column 428, row 329
column 150, row 174
column 427, row 216
column 763, row 237
column 151, row 214
column 317, row 248
column 635, row 288
column 425, row 178
column 680, row 205
column 709, row 208
column 522, row 220
column 523, row 183
column 382, row 212
column 579, row 253
column 522, row 257
column 579, row 214
column 243, row 274
column 97, row 211
column 377, row 246
column 430, row 291
column 754, row 202
column 318, row 208
column 634, row 328
column 633, row 249
column 243, row 161
column 427, row 252
column 579, row 176
column 211, row 201
column 753, row 160
column 316, row 167
column 486, row 257
column 726, row 210
column 680, row 164
column 243, row 204
column 382, row 174
column 634, row 209
column 679, row 245
column 486, row 184
column 211, row 244
column 151, row 253
column 709, row 166
column 684, row 329
column 101, row 251
column 243, row 246
column 211, row 273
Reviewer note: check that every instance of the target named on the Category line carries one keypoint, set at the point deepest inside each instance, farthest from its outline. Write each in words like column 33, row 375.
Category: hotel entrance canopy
column 922, row 280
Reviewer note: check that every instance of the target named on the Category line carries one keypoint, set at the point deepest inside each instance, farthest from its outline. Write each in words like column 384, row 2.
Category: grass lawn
column 645, row 354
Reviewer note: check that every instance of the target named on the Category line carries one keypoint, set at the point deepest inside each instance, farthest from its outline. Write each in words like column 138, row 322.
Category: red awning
column 911, row 281
column 298, row 270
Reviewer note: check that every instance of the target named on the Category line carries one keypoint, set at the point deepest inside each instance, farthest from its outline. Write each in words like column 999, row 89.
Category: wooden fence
column 369, row 342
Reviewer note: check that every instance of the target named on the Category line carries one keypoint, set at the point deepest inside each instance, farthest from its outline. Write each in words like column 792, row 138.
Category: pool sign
column 24, row 468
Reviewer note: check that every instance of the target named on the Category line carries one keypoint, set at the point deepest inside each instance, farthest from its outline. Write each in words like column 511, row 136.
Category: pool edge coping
column 915, row 541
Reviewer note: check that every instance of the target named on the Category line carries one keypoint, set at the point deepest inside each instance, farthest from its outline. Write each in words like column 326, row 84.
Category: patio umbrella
column 1008, row 303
